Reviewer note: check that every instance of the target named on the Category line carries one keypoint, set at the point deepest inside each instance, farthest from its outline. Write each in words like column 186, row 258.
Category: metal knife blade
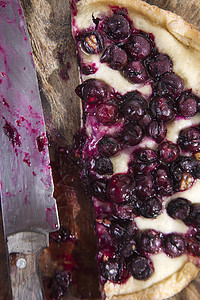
column 28, row 207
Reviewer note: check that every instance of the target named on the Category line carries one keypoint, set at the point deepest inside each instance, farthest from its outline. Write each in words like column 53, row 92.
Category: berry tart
column 140, row 154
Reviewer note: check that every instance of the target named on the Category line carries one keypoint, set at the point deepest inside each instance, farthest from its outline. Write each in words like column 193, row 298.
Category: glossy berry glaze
column 116, row 123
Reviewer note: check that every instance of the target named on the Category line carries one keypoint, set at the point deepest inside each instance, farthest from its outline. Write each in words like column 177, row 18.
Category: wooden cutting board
column 48, row 23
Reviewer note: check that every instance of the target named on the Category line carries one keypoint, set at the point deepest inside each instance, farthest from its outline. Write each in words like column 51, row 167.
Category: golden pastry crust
column 187, row 35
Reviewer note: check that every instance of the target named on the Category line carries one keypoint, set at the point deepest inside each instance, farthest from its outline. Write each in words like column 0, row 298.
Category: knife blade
column 28, row 207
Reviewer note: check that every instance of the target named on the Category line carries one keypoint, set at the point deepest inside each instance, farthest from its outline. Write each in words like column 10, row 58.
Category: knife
column 28, row 207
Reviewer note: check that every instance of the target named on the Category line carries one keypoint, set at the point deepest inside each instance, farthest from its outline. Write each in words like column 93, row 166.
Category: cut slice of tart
column 140, row 144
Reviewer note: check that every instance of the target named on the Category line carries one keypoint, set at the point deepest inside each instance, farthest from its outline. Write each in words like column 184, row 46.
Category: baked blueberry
column 134, row 106
column 141, row 267
column 163, row 182
column 138, row 46
column 103, row 165
column 144, row 185
column 107, row 113
column 162, row 109
column 121, row 188
column 194, row 216
column 148, row 208
column 131, row 134
column 99, row 188
column 168, row 151
column 159, row 65
column 179, row 208
column 92, row 91
column 174, row 245
column 187, row 104
column 171, row 84
column 115, row 57
column 157, row 130
column 189, row 139
column 145, row 160
column 113, row 269
column 150, row 241
column 117, row 28
column 135, row 72
column 108, row 146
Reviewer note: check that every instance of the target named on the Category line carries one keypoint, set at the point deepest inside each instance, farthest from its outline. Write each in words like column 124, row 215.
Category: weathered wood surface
column 48, row 23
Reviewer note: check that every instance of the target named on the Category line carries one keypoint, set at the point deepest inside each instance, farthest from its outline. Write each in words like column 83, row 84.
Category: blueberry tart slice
column 140, row 95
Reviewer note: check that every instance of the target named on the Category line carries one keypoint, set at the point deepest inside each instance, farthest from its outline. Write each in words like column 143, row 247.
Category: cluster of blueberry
column 152, row 174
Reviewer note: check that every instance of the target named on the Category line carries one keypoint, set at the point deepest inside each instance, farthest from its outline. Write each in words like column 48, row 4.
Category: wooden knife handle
column 24, row 249
column 25, row 277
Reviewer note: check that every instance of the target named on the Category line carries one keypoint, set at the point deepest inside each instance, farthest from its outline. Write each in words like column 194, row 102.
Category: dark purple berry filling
column 152, row 175
column 162, row 109
column 149, row 208
column 92, row 91
column 108, row 146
